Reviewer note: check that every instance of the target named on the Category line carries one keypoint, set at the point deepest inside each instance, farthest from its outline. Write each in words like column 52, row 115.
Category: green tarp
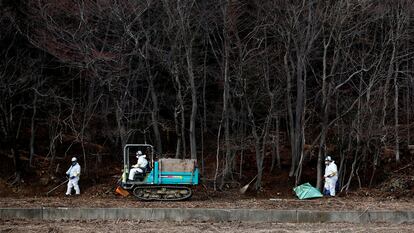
column 306, row 191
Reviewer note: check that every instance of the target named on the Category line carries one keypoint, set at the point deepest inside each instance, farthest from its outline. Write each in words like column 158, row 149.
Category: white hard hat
column 139, row 152
column 74, row 159
column 328, row 158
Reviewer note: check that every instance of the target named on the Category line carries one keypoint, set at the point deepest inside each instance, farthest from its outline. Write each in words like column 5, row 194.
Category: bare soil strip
column 225, row 202
column 13, row 226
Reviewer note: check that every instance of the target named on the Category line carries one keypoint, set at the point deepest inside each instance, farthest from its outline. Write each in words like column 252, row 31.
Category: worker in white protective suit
column 73, row 175
column 140, row 167
column 331, row 177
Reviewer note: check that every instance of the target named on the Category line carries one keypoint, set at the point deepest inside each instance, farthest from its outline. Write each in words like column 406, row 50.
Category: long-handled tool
column 244, row 189
column 64, row 182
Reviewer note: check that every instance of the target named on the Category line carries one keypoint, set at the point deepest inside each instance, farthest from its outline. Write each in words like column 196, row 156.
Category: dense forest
column 238, row 85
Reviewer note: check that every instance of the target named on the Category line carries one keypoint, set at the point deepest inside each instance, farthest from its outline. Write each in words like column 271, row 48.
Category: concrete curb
column 214, row 215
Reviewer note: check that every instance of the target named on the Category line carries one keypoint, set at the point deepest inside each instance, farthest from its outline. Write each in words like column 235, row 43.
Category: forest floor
column 184, row 227
column 209, row 199
column 396, row 192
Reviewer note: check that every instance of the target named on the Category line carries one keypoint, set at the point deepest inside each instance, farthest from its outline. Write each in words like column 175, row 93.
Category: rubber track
column 136, row 189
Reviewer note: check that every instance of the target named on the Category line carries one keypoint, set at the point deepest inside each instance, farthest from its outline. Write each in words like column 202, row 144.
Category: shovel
column 64, row 182
column 244, row 189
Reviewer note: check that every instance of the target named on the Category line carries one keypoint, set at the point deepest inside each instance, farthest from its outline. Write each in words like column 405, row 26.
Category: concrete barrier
column 11, row 213
column 213, row 215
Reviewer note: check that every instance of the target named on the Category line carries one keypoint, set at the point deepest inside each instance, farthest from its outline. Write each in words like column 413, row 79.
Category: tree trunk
column 179, row 116
column 298, row 137
column 32, row 130
column 154, row 114
column 217, row 157
column 397, row 139
column 279, row 165
column 324, row 125
column 193, row 145
column 178, row 132
column 226, row 111
column 290, row 114
column 17, row 164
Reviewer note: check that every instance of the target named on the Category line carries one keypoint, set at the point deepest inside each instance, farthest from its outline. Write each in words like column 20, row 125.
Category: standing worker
column 73, row 174
column 331, row 176
column 140, row 167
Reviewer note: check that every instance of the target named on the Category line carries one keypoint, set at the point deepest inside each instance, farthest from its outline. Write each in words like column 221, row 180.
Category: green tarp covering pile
column 307, row 191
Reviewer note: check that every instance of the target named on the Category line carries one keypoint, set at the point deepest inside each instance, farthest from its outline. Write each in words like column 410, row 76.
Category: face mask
column 74, row 163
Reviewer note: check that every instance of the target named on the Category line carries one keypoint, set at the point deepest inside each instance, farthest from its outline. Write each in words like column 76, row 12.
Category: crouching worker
column 73, row 175
column 140, row 167
column 331, row 177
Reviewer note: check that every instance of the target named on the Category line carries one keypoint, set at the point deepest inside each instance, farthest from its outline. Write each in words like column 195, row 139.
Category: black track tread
column 160, row 187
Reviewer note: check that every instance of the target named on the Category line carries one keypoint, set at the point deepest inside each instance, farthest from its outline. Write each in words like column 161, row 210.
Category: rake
column 244, row 188
column 64, row 182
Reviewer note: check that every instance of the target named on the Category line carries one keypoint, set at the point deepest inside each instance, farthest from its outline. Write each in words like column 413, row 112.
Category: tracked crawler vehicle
column 165, row 179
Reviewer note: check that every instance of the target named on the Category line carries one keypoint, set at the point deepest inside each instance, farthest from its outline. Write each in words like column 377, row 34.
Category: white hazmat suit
column 139, row 167
column 331, row 177
column 74, row 174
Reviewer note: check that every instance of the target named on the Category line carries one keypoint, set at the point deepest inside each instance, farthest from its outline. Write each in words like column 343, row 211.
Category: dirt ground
column 103, row 195
column 216, row 200
column 184, row 227
column 397, row 193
